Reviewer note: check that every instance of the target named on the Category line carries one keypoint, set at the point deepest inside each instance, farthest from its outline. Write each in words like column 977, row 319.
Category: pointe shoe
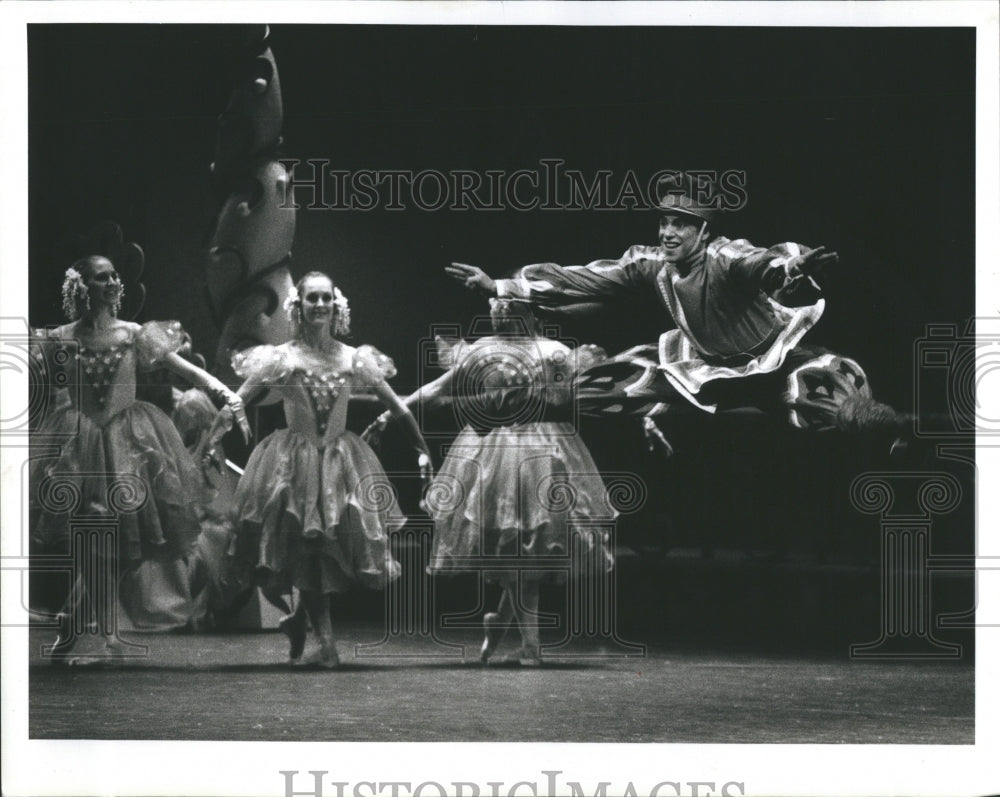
column 309, row 659
column 294, row 627
column 66, row 640
column 319, row 657
column 900, row 448
column 113, row 656
column 330, row 659
column 114, row 650
column 493, row 633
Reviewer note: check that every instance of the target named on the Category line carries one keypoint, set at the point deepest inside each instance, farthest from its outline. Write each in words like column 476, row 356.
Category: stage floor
column 238, row 687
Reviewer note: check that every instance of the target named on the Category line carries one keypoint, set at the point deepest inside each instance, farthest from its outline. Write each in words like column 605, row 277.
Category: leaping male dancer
column 736, row 314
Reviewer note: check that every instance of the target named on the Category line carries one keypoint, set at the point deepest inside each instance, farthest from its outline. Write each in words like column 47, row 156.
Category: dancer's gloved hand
column 655, row 438
column 234, row 404
column 207, row 453
column 212, row 464
column 232, row 411
column 426, row 475
column 426, row 468
column 372, row 434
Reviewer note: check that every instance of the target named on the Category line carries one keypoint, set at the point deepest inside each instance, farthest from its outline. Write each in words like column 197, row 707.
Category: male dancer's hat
column 675, row 197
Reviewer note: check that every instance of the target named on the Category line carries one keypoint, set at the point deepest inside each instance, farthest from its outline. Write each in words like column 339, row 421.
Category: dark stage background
column 859, row 139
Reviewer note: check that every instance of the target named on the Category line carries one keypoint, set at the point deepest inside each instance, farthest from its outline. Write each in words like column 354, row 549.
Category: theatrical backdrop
column 861, row 140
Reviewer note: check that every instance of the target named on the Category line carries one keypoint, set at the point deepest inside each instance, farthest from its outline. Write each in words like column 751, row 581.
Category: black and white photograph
column 499, row 399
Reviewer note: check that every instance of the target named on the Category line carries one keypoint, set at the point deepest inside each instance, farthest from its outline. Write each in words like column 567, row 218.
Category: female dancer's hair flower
column 292, row 304
column 342, row 324
column 74, row 292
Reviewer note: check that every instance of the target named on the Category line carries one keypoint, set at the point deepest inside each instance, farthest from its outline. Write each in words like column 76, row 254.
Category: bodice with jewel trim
column 505, row 380
column 315, row 388
column 100, row 380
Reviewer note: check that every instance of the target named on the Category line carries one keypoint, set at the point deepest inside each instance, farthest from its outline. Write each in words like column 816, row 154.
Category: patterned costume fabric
column 737, row 314
column 518, row 490
column 314, row 506
column 97, row 434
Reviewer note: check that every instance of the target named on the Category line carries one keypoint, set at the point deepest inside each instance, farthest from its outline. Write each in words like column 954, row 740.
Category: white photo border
column 226, row 768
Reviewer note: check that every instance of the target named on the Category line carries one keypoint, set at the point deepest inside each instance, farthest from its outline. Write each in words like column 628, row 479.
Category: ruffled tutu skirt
column 316, row 519
column 158, row 522
column 527, row 497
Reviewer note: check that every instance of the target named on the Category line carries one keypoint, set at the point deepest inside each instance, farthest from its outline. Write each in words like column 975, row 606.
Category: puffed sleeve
column 449, row 352
column 155, row 340
column 372, row 366
column 48, row 356
column 53, row 347
column 193, row 414
column 561, row 367
column 37, row 339
column 587, row 356
column 262, row 365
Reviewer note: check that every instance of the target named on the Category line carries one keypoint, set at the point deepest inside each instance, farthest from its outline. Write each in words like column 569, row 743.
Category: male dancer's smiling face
column 680, row 236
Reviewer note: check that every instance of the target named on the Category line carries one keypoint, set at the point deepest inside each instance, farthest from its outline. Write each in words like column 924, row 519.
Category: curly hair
column 341, row 325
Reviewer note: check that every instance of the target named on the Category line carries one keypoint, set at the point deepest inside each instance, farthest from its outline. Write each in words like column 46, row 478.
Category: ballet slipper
column 319, row 657
column 328, row 649
column 330, row 659
column 65, row 640
column 114, row 649
column 294, row 627
column 91, row 660
column 307, row 660
column 82, row 661
column 494, row 631
column 114, row 654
